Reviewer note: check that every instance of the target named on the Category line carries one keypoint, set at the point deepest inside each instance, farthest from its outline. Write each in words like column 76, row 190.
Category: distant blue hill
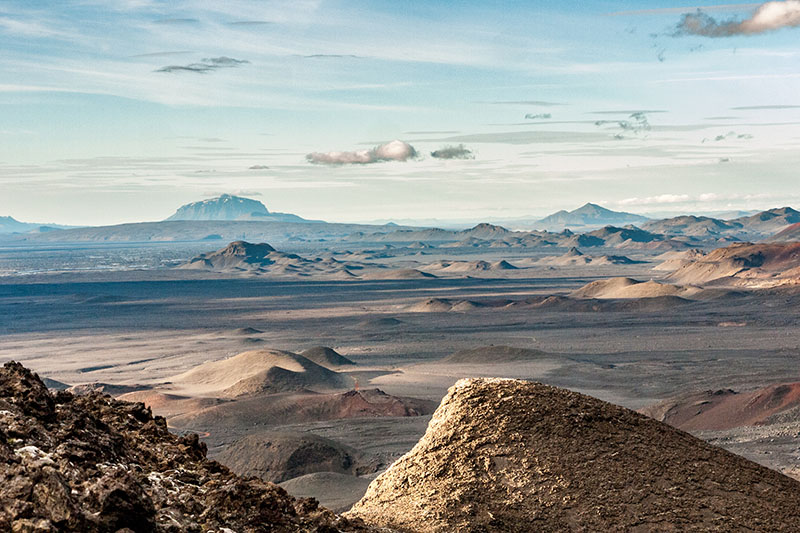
column 12, row 225
column 587, row 217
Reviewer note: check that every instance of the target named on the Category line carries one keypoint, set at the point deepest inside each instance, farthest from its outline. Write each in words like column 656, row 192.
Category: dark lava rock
column 92, row 463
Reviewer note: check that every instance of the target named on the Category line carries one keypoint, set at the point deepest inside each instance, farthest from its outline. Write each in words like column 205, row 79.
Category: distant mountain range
column 11, row 225
column 229, row 207
column 231, row 218
column 751, row 227
column 588, row 216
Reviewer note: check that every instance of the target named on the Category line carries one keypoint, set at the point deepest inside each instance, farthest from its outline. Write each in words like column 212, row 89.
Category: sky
column 117, row 111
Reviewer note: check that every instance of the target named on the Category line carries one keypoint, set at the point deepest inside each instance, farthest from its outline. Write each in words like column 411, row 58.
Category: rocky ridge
column 91, row 463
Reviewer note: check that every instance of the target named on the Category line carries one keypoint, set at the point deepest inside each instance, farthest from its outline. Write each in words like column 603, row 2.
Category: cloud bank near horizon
column 392, row 151
column 768, row 17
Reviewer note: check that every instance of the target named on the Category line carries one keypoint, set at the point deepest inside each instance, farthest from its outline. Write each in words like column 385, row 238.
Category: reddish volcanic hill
column 789, row 234
column 516, row 456
column 726, row 409
column 744, row 264
column 276, row 409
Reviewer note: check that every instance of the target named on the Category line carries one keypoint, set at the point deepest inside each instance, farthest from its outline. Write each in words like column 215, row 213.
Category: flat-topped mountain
column 516, row 456
column 229, row 207
column 587, row 216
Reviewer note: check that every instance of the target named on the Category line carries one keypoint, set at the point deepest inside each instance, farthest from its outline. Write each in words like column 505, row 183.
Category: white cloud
column 660, row 199
column 769, row 16
column 391, row 151
column 26, row 28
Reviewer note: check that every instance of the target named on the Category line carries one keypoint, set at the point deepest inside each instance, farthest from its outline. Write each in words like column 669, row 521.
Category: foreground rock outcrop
column 91, row 463
column 509, row 455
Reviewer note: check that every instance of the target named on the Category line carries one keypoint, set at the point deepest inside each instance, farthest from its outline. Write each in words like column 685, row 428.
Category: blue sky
column 121, row 110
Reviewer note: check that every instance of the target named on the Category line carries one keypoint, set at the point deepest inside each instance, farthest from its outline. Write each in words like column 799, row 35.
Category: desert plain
column 317, row 366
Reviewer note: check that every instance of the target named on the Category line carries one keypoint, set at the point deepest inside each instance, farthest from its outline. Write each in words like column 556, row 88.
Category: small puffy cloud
column 765, row 107
column 208, row 64
column 453, row 152
column 531, row 116
column 394, row 151
column 769, row 16
column 391, row 151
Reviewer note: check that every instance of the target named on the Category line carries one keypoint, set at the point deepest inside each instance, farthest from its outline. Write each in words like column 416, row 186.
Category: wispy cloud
column 391, row 151
column 764, row 107
column 732, row 77
column 728, row 136
column 239, row 192
column 769, row 16
column 331, row 56
column 453, row 152
column 636, row 123
column 206, row 65
column 659, row 199
column 669, row 10
column 540, row 103
column 162, row 54
column 628, row 112
column 27, row 28
column 433, row 132
column 176, row 21
column 250, row 23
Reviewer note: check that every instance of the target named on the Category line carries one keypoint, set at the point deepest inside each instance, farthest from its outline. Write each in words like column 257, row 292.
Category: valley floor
column 144, row 327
